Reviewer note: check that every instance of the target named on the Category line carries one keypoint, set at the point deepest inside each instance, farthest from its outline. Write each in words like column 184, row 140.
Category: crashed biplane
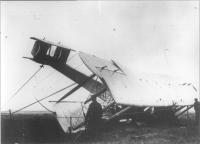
column 119, row 90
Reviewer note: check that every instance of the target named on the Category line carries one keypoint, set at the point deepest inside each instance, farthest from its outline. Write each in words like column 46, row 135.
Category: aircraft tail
column 56, row 56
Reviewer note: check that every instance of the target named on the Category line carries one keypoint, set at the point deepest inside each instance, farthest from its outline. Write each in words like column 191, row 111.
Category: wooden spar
column 120, row 112
column 189, row 107
column 95, row 95
column 114, row 116
column 76, row 88
column 179, row 108
column 67, row 101
column 76, row 76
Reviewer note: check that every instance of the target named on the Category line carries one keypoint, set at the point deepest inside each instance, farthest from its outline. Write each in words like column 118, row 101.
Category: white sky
column 158, row 37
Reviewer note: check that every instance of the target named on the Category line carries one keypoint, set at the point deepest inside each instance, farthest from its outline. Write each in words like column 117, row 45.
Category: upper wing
column 139, row 89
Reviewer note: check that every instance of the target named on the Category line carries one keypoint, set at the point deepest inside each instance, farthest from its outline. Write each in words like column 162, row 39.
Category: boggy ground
column 184, row 132
column 33, row 129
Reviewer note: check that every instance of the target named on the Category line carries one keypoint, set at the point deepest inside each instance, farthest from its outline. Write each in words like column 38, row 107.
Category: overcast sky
column 157, row 37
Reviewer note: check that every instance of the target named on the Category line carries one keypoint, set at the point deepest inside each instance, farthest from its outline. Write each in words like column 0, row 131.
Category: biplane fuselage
column 116, row 86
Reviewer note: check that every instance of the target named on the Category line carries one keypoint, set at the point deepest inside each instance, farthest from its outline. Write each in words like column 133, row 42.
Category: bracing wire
column 38, row 101
column 44, row 106
column 25, row 83
column 43, row 98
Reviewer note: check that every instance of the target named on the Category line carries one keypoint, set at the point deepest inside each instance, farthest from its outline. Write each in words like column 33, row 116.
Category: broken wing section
column 139, row 89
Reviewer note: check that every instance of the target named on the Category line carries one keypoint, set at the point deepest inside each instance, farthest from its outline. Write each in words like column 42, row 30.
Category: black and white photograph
column 100, row 72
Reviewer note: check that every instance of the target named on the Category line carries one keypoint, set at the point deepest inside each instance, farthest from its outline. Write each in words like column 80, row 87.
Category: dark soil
column 44, row 128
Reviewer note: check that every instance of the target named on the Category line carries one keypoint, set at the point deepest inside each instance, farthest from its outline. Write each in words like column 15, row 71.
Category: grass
column 45, row 129
column 185, row 132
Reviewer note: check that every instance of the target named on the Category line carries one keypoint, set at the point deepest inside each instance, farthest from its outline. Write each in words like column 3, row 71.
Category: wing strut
column 95, row 95
column 76, row 88
column 188, row 107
